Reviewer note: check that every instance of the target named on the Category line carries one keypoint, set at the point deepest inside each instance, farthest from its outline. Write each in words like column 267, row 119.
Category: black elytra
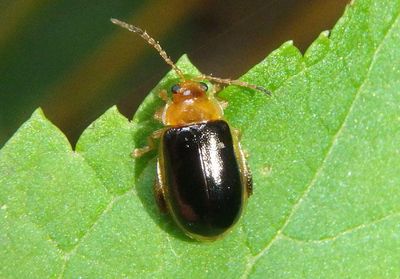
column 203, row 186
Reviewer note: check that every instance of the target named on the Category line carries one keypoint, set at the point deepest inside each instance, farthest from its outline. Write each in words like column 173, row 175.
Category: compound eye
column 175, row 89
column 203, row 86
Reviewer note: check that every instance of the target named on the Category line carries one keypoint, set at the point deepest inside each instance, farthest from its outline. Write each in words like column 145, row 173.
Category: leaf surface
column 324, row 151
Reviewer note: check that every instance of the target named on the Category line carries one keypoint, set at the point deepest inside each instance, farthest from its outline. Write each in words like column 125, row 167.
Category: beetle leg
column 223, row 103
column 138, row 152
column 213, row 95
column 158, row 114
column 159, row 197
column 163, row 95
column 158, row 190
column 249, row 179
column 215, row 89
column 247, row 176
column 238, row 133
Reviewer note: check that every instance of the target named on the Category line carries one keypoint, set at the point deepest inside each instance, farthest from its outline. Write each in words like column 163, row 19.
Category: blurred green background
column 66, row 56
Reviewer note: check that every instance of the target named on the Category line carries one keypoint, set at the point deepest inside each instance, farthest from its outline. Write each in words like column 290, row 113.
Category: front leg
column 214, row 95
column 158, row 115
column 163, row 94
column 151, row 144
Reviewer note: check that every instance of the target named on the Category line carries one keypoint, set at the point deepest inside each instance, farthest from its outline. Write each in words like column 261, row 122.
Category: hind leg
column 247, row 177
column 159, row 191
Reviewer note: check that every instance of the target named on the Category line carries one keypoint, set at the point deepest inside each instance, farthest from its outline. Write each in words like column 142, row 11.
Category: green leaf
column 324, row 151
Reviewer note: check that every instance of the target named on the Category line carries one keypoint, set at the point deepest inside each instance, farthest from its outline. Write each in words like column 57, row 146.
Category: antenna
column 151, row 42
column 236, row 82
column 178, row 71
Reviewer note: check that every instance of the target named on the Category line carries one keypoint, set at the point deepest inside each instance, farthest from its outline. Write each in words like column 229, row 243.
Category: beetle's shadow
column 145, row 170
column 145, row 166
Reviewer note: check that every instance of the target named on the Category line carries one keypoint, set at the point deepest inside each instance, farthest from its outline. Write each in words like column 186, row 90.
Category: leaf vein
column 344, row 232
column 98, row 218
column 307, row 190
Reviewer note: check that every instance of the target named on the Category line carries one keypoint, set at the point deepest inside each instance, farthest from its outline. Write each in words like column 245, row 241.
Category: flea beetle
column 203, row 180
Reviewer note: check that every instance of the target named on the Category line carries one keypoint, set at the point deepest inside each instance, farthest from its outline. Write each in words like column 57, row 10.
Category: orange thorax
column 191, row 110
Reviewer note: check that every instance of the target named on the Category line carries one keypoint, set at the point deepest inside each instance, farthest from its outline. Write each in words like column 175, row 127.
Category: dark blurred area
column 66, row 56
